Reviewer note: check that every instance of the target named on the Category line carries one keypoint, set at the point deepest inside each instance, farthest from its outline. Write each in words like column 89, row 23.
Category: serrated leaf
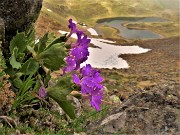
column 13, row 61
column 29, row 67
column 18, row 41
column 53, row 58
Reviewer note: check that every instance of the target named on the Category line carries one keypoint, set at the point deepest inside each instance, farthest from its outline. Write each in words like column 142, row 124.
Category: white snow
column 49, row 10
column 106, row 56
column 92, row 31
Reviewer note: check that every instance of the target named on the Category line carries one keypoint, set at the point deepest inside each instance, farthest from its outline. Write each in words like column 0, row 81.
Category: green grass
column 65, row 127
column 166, row 29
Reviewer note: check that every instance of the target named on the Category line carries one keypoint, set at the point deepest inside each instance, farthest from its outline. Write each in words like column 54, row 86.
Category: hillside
column 55, row 13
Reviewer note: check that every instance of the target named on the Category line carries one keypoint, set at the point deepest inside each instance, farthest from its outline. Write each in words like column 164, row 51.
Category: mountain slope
column 55, row 13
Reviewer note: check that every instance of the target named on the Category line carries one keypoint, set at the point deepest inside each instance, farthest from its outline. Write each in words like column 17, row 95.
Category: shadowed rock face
column 18, row 15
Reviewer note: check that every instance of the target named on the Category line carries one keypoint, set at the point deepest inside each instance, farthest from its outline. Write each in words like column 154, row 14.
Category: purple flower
column 81, row 40
column 72, row 26
column 42, row 92
column 90, row 85
column 80, row 54
column 96, row 100
column 79, row 51
column 71, row 64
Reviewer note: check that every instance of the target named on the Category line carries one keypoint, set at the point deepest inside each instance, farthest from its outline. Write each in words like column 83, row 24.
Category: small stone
column 115, row 99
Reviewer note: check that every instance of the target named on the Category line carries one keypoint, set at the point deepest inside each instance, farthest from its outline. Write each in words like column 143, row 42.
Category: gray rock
column 18, row 15
column 115, row 99
column 151, row 112
column 2, row 32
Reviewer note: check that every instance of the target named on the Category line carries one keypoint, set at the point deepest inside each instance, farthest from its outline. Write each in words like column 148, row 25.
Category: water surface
column 131, row 33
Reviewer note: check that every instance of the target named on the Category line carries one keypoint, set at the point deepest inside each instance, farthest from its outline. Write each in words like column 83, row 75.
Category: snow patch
column 92, row 31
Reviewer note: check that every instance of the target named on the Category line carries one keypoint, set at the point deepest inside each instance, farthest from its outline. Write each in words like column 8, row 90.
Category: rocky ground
column 149, row 92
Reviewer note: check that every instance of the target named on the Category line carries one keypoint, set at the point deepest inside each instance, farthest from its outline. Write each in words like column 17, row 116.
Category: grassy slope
column 166, row 29
column 89, row 12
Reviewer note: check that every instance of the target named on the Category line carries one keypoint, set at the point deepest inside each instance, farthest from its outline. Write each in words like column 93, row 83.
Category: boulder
column 156, row 111
column 18, row 15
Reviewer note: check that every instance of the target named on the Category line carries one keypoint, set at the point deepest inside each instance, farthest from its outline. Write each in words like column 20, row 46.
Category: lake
column 118, row 22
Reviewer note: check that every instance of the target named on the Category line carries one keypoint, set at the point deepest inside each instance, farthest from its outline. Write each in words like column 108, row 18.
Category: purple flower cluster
column 90, row 79
column 79, row 50
column 90, row 85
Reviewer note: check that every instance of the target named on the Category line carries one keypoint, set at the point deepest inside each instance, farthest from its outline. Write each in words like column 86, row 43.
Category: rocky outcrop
column 156, row 111
column 18, row 15
column 1, row 30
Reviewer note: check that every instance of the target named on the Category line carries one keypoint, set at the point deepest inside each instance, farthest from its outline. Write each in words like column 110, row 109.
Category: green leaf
column 31, row 50
column 10, row 71
column 2, row 73
column 65, row 82
column 47, row 78
column 53, row 58
column 31, row 36
column 26, row 85
column 41, row 44
column 60, row 98
column 19, row 41
column 13, row 61
column 17, row 82
column 57, row 40
column 29, row 67
column 37, row 86
column 20, row 57
column 64, row 85
column 59, row 93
